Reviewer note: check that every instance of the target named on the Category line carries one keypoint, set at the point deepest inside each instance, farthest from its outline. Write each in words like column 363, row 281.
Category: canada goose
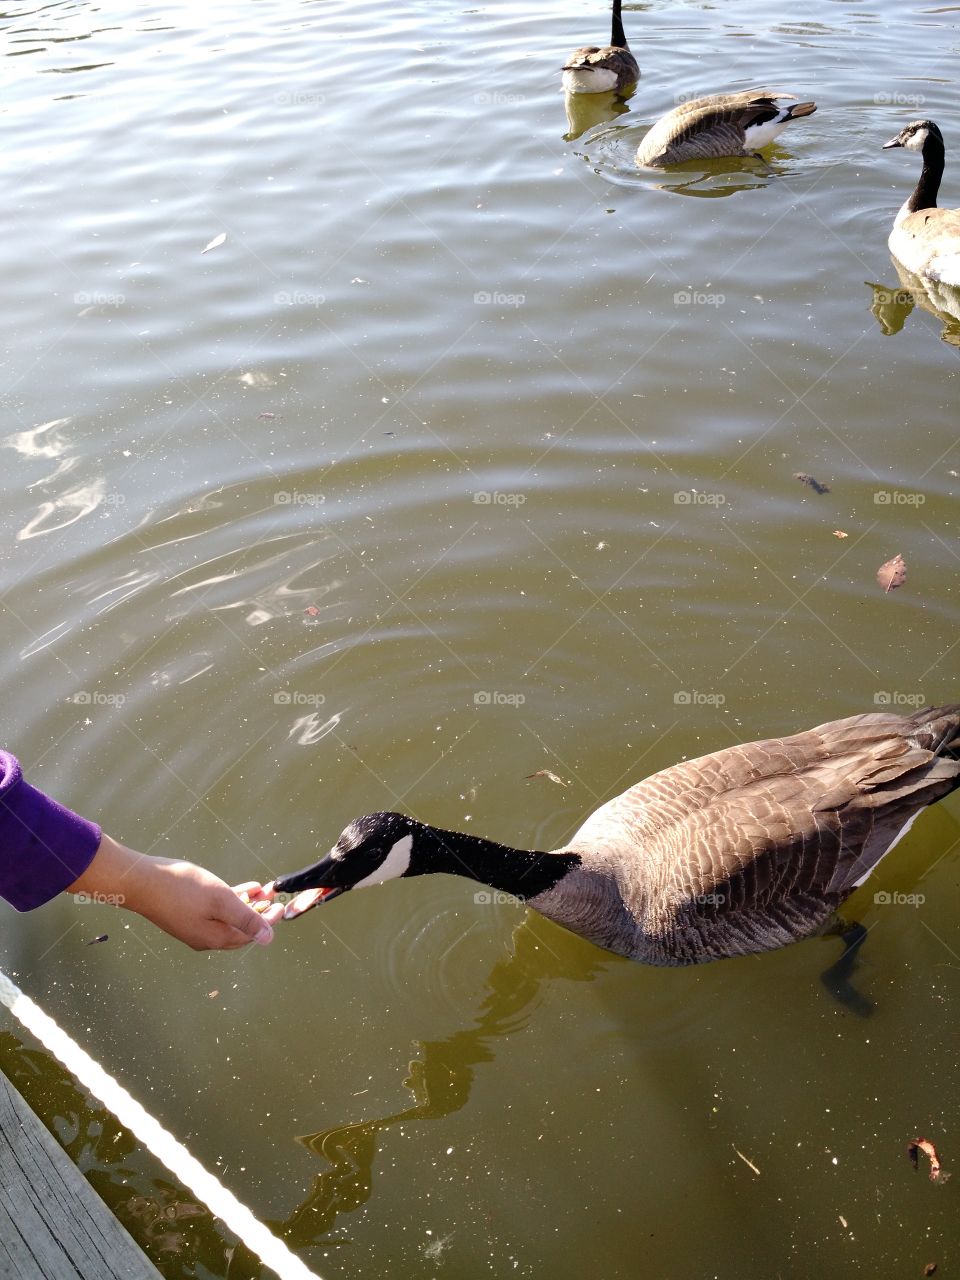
column 723, row 124
column 596, row 70
column 736, row 852
column 924, row 238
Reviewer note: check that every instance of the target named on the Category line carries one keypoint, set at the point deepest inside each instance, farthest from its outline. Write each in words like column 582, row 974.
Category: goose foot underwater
column 734, row 853
column 837, row 979
column 925, row 238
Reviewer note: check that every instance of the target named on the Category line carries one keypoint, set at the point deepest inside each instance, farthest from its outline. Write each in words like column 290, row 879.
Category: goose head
column 371, row 850
column 914, row 136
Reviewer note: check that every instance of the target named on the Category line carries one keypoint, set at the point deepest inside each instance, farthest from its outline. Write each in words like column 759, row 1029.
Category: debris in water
column 815, row 485
column 212, row 995
column 266, row 414
column 216, row 242
column 100, row 938
column 915, row 1146
column 930, row 1269
column 838, row 533
column 312, row 611
column 747, row 1162
column 892, row 574
column 549, row 775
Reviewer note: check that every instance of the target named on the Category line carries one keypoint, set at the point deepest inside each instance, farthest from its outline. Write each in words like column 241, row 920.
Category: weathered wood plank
column 52, row 1224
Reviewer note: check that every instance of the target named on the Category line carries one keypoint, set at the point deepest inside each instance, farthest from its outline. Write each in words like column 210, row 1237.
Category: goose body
column 925, row 238
column 741, row 851
column 596, row 69
column 723, row 124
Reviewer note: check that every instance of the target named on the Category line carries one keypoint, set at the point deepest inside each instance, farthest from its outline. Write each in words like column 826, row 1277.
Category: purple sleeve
column 43, row 847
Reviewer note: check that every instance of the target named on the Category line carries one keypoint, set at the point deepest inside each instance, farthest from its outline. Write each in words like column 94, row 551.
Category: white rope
column 221, row 1202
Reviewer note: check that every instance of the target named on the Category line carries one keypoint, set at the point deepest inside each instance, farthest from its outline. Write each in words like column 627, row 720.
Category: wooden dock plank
column 53, row 1226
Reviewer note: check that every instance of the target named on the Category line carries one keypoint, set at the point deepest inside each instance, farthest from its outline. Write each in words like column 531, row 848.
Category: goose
column 737, row 852
column 924, row 238
column 595, row 70
column 723, row 124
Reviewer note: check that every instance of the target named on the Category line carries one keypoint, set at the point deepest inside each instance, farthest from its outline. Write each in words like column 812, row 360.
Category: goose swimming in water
column 741, row 851
column 925, row 238
column 598, row 70
column 723, row 124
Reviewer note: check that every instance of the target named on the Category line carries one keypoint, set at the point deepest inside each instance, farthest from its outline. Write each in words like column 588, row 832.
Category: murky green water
column 470, row 452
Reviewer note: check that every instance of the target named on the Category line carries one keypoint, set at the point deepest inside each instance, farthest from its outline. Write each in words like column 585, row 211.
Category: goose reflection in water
column 892, row 305
column 587, row 110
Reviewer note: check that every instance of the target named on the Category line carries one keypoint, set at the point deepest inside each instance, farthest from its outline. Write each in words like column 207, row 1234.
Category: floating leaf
column 838, row 533
column 212, row 995
column 549, row 775
column 892, row 574
column 915, row 1146
column 216, row 242
column 815, row 485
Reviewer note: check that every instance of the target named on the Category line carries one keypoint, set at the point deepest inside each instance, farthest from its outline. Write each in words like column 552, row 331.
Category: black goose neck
column 522, row 873
column 925, row 195
column 617, row 36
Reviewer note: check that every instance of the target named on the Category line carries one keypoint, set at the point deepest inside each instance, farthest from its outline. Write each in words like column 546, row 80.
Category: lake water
column 469, row 453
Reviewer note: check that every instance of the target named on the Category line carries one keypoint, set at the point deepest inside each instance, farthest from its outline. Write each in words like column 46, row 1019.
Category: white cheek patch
column 392, row 867
column 916, row 142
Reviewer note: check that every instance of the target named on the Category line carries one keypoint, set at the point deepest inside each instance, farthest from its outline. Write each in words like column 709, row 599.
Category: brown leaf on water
column 930, row 1269
column 838, row 533
column 549, row 775
column 892, row 574
column 216, row 242
column 915, row 1146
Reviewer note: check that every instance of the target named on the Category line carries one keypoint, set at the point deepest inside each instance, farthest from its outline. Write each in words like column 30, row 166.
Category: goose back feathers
column 740, row 851
column 723, row 124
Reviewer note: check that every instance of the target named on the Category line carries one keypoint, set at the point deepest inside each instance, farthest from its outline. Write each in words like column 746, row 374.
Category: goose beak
column 309, row 887
column 894, row 142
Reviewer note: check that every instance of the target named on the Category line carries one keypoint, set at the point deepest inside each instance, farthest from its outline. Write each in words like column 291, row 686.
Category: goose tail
column 938, row 730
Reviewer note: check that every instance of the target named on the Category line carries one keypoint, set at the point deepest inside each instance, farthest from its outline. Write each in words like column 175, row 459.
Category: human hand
column 186, row 901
